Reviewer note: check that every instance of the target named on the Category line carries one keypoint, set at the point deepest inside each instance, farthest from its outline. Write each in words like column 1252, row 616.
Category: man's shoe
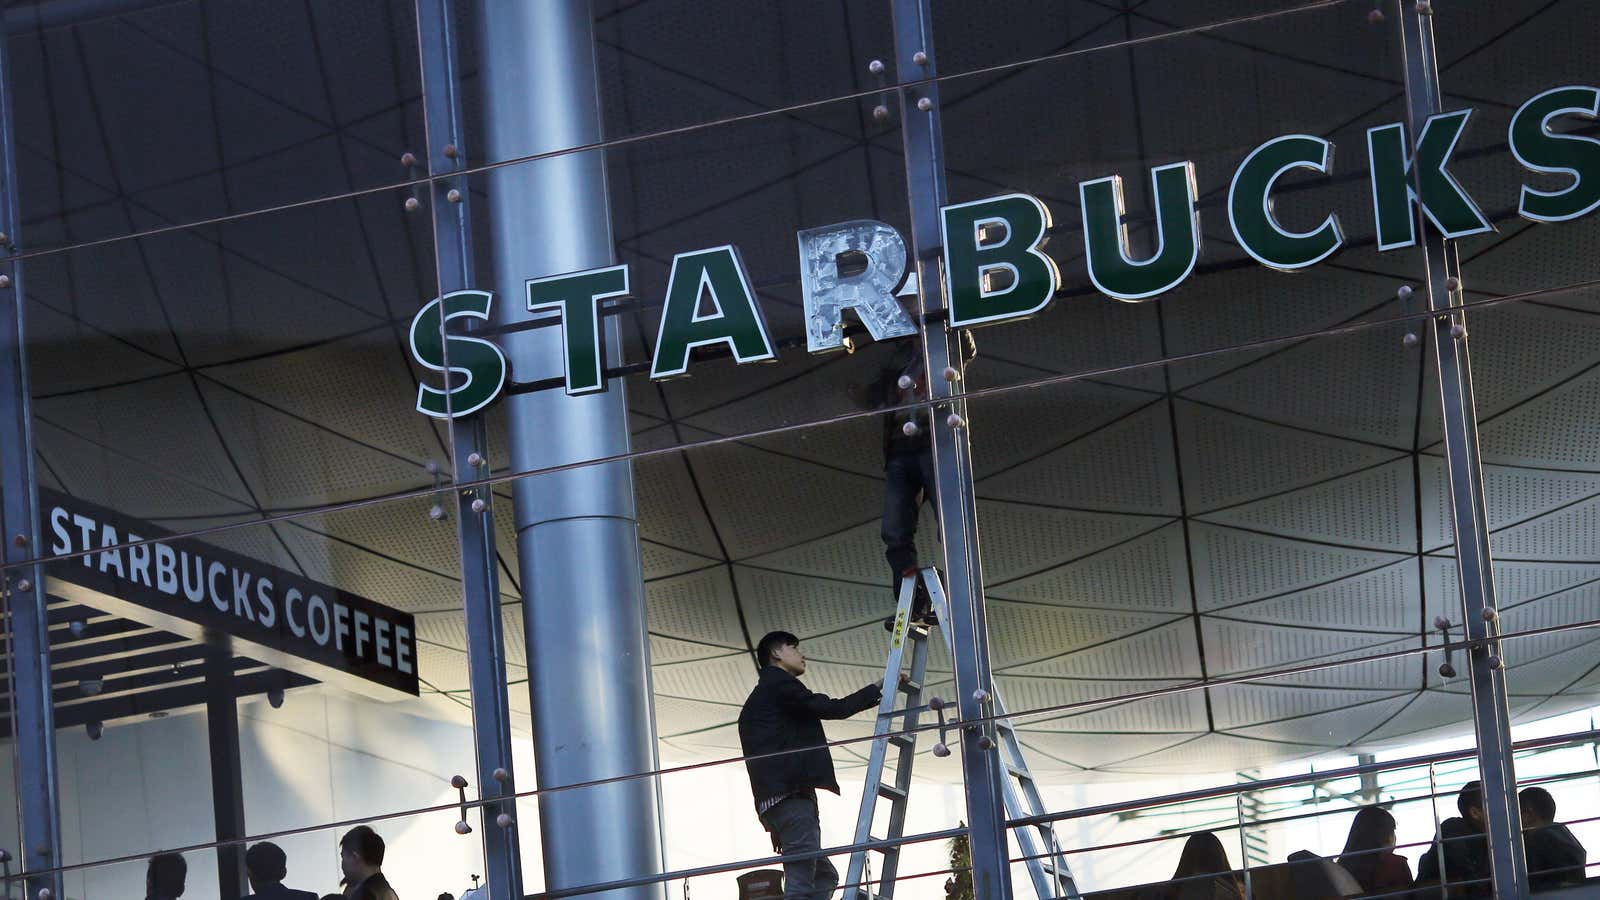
column 922, row 607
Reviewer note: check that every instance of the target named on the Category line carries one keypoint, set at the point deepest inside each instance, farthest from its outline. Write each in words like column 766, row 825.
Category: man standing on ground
column 781, row 725
column 266, row 866
column 361, row 860
column 1555, row 857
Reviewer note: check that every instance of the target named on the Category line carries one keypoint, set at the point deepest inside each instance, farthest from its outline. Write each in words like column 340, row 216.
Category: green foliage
column 959, row 885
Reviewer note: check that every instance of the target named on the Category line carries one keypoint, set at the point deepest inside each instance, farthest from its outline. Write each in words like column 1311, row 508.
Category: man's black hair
column 770, row 643
column 1470, row 798
column 1539, row 801
column 266, row 863
column 166, row 875
column 365, row 843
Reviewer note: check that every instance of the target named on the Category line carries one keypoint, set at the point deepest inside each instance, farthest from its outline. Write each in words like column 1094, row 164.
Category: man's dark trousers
column 797, row 828
column 909, row 478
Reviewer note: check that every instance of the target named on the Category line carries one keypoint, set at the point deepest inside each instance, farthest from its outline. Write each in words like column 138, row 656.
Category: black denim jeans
column 908, row 478
column 796, row 828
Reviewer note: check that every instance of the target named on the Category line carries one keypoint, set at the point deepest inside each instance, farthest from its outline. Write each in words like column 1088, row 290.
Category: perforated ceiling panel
column 1226, row 515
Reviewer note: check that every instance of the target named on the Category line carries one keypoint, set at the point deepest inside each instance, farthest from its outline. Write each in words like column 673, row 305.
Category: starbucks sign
column 994, row 267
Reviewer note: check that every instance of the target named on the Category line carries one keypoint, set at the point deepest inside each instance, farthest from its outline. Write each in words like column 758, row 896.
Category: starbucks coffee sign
column 994, row 267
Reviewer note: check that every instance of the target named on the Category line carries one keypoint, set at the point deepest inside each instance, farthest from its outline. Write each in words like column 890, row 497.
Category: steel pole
column 27, row 637
column 1485, row 669
column 227, row 774
column 577, row 530
column 469, row 442
column 952, row 452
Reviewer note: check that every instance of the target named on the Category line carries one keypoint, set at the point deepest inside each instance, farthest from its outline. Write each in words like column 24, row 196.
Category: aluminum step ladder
column 1047, row 865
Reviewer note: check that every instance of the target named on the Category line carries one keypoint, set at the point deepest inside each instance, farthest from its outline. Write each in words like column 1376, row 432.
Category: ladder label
column 899, row 630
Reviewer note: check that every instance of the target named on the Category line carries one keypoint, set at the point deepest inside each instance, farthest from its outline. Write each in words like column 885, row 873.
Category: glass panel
column 1534, row 372
column 220, row 373
column 972, row 36
column 679, row 63
column 1557, row 784
column 1495, row 59
column 1282, row 514
column 752, row 186
column 1211, row 99
column 775, row 534
column 1133, row 791
column 178, row 112
column 341, row 635
column 422, row 852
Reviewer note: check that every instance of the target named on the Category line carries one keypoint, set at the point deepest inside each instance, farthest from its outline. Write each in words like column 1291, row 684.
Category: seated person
column 1555, row 857
column 1369, row 853
column 1202, row 855
column 1464, row 848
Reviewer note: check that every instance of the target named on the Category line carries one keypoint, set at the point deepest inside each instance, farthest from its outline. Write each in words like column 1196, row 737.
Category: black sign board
column 183, row 585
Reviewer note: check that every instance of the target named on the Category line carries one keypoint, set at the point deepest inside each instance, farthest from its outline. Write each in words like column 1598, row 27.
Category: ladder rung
column 903, row 740
column 890, row 792
column 1019, row 773
column 910, row 687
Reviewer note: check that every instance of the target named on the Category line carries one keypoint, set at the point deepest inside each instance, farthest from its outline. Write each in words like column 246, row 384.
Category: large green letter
column 1105, row 239
column 1542, row 150
column 577, row 297
column 1250, row 204
column 480, row 361
column 736, row 320
column 1397, row 177
column 974, row 252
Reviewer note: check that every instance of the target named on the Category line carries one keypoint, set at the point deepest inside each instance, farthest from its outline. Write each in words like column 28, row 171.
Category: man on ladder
column 787, row 758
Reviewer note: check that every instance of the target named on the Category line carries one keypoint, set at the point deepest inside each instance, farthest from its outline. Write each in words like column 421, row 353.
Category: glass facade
column 1235, row 379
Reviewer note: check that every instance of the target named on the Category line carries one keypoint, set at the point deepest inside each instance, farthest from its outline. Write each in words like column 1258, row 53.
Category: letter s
column 476, row 370
column 1542, row 150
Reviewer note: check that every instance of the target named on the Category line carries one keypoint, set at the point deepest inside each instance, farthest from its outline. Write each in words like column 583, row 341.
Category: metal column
column 227, row 776
column 469, row 442
column 1491, row 712
column 27, row 638
column 952, row 452
column 577, row 534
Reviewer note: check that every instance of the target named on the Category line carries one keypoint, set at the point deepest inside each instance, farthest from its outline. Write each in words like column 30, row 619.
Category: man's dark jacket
column 373, row 887
column 1466, row 858
column 277, row 891
column 1554, row 856
column 781, row 714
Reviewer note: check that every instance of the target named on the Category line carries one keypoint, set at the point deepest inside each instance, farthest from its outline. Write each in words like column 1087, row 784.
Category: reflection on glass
column 260, row 679
column 1279, row 800
column 1534, row 364
column 972, row 36
column 1188, row 217
column 677, row 63
column 172, row 113
column 1262, row 513
column 214, row 375
column 776, row 534
column 732, row 202
column 1495, row 61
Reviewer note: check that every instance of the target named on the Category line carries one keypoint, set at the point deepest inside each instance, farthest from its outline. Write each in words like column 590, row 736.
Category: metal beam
column 227, row 776
column 952, row 452
column 167, row 700
column 27, row 637
column 1491, row 711
column 469, row 442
